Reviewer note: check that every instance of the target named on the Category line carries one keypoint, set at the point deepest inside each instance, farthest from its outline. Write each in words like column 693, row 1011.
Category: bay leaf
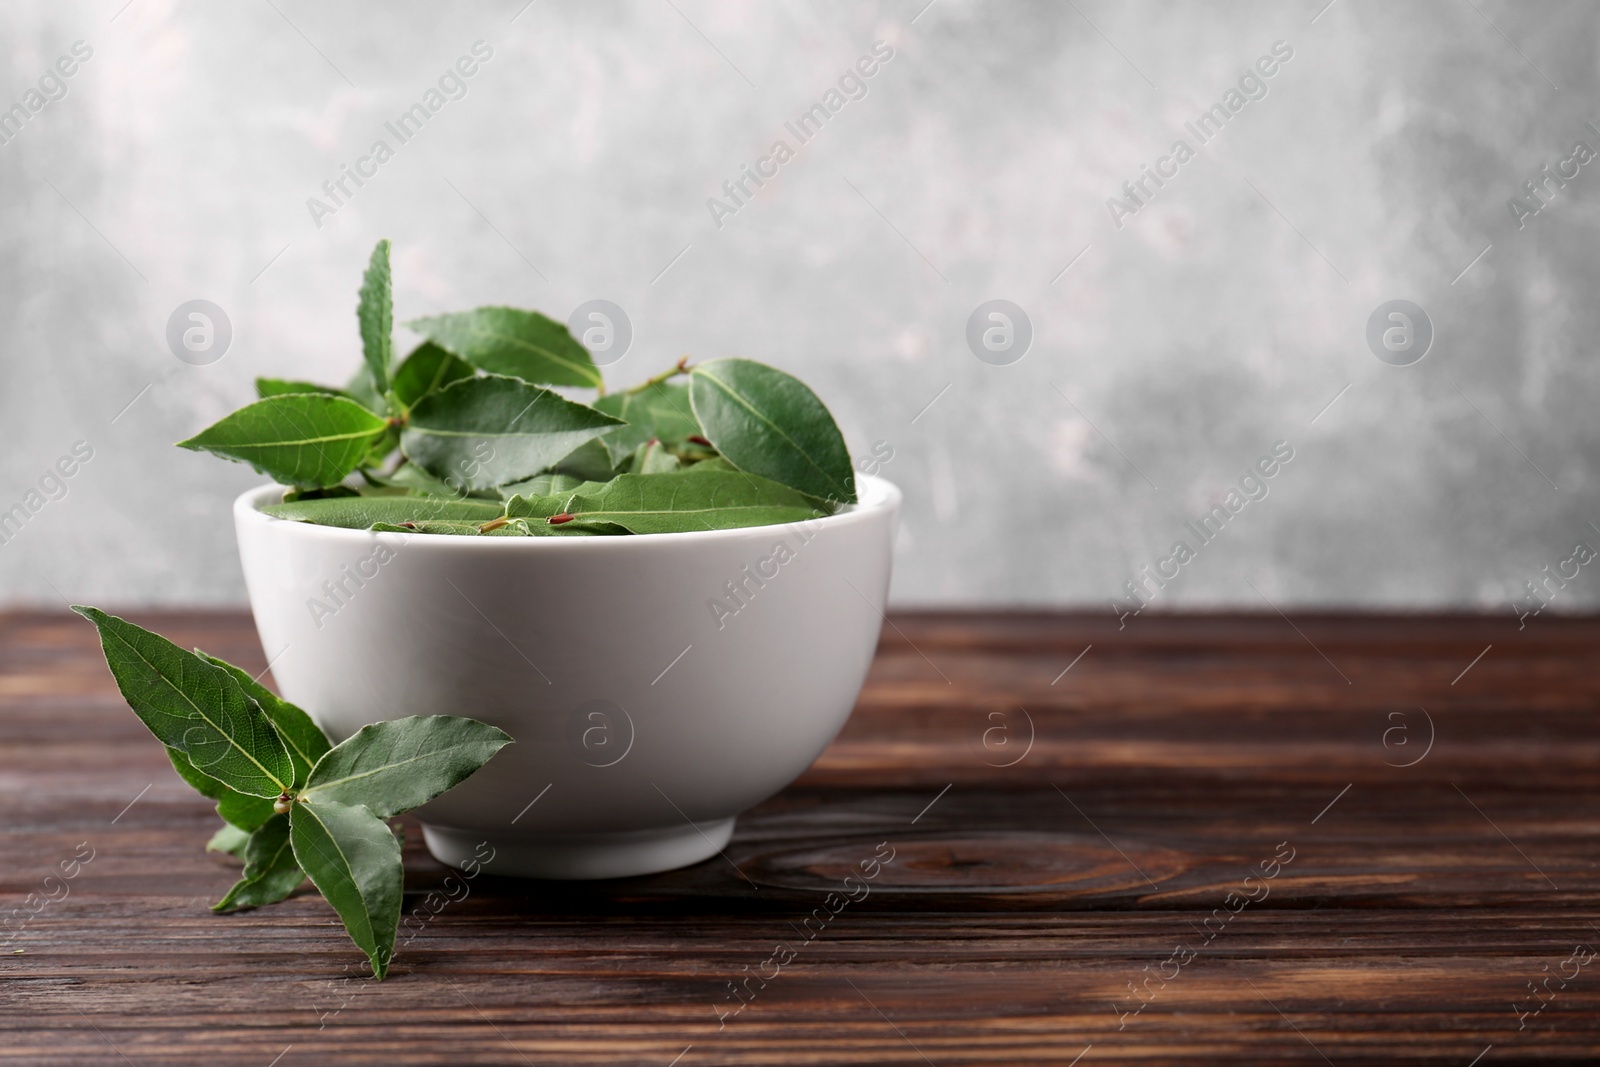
column 353, row 859
column 266, row 387
column 534, row 509
column 590, row 461
column 270, row 871
column 521, row 344
column 381, row 449
column 361, row 513
column 482, row 432
column 298, row 439
column 375, row 313
column 673, row 503
column 512, row 528
column 661, row 410
column 394, row 766
column 427, row 369
column 515, row 528
column 194, row 706
column 548, row 484
column 707, row 466
column 413, row 478
column 652, row 457
column 229, row 840
column 242, row 812
column 363, row 392
column 301, row 735
column 770, row 423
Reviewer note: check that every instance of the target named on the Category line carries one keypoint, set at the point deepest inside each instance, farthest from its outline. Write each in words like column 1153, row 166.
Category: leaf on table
column 270, row 870
column 353, row 859
column 427, row 369
column 194, row 706
column 672, row 503
column 770, row 423
column 303, row 439
column 662, row 411
column 363, row 512
column 237, row 809
column 301, row 735
column 375, row 314
column 397, row 765
column 521, row 344
column 229, row 840
column 484, row 432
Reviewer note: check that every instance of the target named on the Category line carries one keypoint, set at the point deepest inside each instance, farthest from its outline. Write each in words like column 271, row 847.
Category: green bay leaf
column 194, row 706
column 397, row 765
column 363, row 512
column 427, row 369
column 652, row 457
column 482, row 432
column 266, row 387
column 590, row 462
column 532, row 510
column 417, row 481
column 353, row 859
column 550, row 483
column 229, row 840
column 240, row 811
column 301, row 735
column 270, row 870
column 375, row 314
column 381, row 449
column 361, row 390
column 522, row 344
column 661, row 410
column 299, row 439
column 675, row 503
column 707, row 466
column 770, row 423
column 513, row 528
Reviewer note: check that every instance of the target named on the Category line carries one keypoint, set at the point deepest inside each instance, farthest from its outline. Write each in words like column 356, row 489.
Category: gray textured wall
column 1169, row 353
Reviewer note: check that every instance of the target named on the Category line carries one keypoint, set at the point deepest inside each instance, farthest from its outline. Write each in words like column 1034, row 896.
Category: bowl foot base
column 580, row 856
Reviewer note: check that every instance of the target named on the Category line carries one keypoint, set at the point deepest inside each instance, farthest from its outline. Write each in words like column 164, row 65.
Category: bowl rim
column 877, row 496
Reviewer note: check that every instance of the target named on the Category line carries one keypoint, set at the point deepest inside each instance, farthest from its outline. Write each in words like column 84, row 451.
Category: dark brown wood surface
column 1024, row 902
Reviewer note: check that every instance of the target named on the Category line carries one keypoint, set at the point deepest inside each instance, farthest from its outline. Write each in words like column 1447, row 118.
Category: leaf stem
column 681, row 367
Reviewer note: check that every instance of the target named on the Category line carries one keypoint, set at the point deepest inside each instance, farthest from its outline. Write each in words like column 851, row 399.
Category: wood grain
column 1030, row 885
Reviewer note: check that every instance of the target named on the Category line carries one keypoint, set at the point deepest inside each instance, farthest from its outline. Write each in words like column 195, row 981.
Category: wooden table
column 1232, row 839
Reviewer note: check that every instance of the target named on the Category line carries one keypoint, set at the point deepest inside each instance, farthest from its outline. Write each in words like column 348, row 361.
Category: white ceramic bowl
column 646, row 716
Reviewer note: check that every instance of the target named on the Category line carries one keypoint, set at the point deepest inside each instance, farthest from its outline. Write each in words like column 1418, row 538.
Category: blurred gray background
column 1168, row 353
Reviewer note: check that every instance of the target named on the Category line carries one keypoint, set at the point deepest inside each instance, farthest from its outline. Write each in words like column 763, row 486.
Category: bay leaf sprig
column 296, row 805
column 471, row 416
